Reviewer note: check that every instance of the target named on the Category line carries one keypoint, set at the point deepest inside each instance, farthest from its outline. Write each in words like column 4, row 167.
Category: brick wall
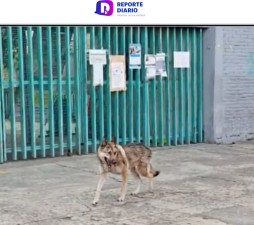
column 238, row 84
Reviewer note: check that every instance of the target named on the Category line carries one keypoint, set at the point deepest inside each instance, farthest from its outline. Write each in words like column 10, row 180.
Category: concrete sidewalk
column 198, row 185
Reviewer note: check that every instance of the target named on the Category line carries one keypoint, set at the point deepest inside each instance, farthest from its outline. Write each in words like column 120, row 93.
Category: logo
column 104, row 8
column 130, row 8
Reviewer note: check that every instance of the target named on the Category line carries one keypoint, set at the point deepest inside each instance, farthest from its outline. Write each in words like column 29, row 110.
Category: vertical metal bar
column 59, row 90
column 153, row 93
column 122, row 94
column 193, row 86
column 167, row 86
column 100, row 92
column 174, row 94
column 93, row 98
column 200, row 87
column 160, row 96
column 145, row 115
column 1, row 126
column 108, row 93
column 77, row 89
column 130, row 91
column 83, row 72
column 68, row 88
column 27, row 86
column 1, row 131
column 41, row 90
column 22, row 93
column 115, row 49
column 180, row 94
column 187, row 91
column 12, row 93
column 2, row 119
column 137, row 73
column 51, row 92
column 31, row 90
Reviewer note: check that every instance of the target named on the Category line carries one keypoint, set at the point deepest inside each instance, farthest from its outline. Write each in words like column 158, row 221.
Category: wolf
column 115, row 158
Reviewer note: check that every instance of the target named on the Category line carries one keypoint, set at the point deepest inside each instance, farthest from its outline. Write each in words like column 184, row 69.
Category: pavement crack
column 46, row 219
column 75, row 168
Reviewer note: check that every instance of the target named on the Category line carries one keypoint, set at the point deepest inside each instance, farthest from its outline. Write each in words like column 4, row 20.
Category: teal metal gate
column 49, row 105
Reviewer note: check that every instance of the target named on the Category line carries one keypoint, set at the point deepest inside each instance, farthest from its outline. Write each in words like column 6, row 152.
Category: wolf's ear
column 113, row 140
column 103, row 142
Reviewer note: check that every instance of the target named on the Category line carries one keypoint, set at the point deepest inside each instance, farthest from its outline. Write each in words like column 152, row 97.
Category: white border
column 81, row 12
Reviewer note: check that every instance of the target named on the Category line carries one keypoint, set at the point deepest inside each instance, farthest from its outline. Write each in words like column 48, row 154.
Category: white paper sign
column 150, row 72
column 150, row 65
column 97, row 56
column 160, row 65
column 118, row 78
column 149, row 60
column 181, row 59
column 97, row 74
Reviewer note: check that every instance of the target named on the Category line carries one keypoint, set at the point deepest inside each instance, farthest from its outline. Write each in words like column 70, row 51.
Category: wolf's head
column 108, row 153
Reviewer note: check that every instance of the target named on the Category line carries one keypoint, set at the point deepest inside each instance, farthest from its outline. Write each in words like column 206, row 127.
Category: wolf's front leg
column 99, row 187
column 124, row 174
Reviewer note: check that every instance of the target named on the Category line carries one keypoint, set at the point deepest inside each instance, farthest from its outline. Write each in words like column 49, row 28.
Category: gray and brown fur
column 116, row 158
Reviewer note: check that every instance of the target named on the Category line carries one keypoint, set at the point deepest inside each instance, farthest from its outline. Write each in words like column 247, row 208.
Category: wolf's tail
column 153, row 172
column 156, row 173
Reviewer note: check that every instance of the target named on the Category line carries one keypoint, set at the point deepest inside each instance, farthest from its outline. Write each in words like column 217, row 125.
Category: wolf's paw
column 95, row 203
column 134, row 193
column 120, row 199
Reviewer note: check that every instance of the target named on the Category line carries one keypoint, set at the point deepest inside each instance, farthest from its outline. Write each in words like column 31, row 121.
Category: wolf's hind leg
column 138, row 180
column 148, row 169
column 150, row 184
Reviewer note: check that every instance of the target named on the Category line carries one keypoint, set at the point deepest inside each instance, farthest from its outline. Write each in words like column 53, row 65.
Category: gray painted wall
column 228, row 84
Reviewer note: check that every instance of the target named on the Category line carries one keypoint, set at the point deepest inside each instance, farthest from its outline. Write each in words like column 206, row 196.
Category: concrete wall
column 228, row 84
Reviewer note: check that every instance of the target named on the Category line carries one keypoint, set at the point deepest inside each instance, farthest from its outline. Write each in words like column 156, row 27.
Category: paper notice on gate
column 97, row 56
column 181, row 59
column 117, row 73
column 97, row 74
column 150, row 60
column 160, row 65
column 150, row 72
column 135, row 56
column 150, row 63
column 118, row 78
